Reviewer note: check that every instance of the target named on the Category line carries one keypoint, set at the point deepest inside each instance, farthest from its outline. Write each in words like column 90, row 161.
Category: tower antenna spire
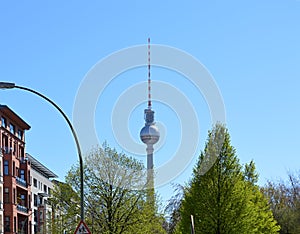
column 149, row 77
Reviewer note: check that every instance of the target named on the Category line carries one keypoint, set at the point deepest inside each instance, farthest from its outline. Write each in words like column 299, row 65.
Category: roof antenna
column 149, row 78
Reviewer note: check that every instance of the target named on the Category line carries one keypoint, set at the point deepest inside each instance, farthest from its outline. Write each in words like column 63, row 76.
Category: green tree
column 64, row 205
column 284, row 199
column 172, row 210
column 115, row 194
column 222, row 197
column 250, row 173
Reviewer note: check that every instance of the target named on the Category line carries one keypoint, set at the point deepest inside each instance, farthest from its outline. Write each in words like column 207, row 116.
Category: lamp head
column 7, row 85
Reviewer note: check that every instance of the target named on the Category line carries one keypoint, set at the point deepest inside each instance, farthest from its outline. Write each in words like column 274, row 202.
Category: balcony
column 21, row 182
column 23, row 160
column 22, row 208
column 7, row 150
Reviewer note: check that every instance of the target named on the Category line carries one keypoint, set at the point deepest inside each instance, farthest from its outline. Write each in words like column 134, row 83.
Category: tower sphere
column 149, row 134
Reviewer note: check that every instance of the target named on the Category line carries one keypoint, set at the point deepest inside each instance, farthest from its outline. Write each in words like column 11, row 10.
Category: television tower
column 149, row 133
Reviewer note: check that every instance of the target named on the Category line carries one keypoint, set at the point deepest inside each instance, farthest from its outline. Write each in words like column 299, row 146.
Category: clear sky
column 251, row 49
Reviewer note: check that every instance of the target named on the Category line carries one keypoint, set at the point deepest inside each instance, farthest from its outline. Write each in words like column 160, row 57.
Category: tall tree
column 115, row 194
column 172, row 210
column 221, row 196
column 65, row 209
column 284, row 198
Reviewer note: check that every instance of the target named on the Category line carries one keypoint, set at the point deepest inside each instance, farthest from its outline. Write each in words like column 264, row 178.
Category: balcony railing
column 22, row 208
column 23, row 160
column 7, row 150
column 21, row 182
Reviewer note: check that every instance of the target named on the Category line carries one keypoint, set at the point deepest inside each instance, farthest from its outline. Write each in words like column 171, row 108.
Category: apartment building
column 16, row 173
column 41, row 187
column 1, row 193
column 25, row 183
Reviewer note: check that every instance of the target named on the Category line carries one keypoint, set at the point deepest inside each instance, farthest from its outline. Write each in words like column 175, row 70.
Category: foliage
column 222, row 197
column 173, row 210
column 65, row 209
column 284, row 199
column 114, row 194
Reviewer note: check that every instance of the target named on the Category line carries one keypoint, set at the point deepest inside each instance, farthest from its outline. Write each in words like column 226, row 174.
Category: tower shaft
column 149, row 135
column 150, row 176
column 149, row 150
column 150, row 171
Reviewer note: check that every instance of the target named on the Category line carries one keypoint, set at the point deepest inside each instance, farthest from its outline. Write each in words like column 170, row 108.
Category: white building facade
column 41, row 187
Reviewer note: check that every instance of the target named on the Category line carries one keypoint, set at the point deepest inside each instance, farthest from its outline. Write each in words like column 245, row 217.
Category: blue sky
column 251, row 48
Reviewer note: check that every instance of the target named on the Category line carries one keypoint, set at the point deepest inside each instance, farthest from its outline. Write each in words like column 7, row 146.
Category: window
column 5, row 143
column 23, row 198
column 6, row 169
column 35, row 182
column 20, row 134
column 14, row 196
column 49, row 191
column 7, row 224
column 22, row 174
column 6, row 195
column 3, row 122
column 12, row 128
column 14, row 168
column 35, row 215
column 15, row 148
column 45, row 188
column 21, row 152
column 35, row 200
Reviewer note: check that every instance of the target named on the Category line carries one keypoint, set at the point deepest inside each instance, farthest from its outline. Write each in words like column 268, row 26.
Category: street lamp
column 8, row 85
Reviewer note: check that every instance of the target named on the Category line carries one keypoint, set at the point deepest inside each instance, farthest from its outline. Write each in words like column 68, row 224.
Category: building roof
column 12, row 115
column 39, row 167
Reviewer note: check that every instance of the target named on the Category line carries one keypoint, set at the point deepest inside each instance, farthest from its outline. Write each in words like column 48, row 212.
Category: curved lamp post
column 8, row 85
